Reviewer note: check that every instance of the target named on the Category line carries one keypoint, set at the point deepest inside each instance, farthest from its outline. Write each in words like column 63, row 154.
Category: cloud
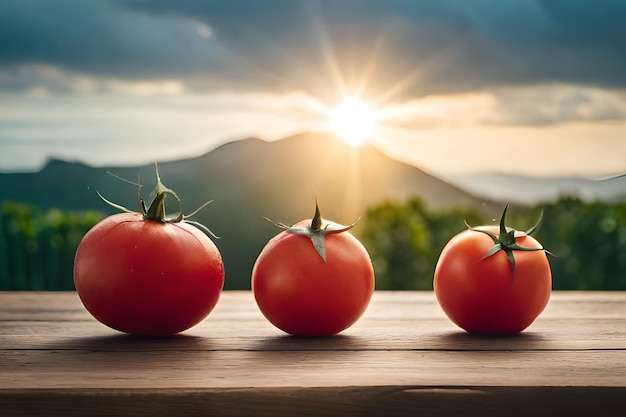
column 141, row 124
column 396, row 48
column 540, row 105
column 44, row 80
column 101, row 38
column 557, row 104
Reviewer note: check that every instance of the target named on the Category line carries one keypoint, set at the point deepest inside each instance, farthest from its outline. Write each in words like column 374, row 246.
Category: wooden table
column 402, row 358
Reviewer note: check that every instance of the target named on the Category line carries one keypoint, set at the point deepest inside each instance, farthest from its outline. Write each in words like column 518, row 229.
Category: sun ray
column 326, row 47
column 417, row 74
column 353, row 121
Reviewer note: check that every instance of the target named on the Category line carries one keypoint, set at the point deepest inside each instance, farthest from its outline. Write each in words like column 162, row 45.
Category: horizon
column 527, row 88
column 326, row 134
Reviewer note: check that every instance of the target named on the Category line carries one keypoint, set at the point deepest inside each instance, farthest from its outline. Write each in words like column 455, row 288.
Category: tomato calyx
column 156, row 211
column 317, row 230
column 505, row 240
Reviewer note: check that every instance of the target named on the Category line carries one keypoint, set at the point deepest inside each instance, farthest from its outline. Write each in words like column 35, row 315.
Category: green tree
column 587, row 239
column 37, row 247
column 405, row 239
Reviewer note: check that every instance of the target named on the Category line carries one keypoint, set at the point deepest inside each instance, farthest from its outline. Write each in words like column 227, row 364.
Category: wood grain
column 314, row 402
column 404, row 357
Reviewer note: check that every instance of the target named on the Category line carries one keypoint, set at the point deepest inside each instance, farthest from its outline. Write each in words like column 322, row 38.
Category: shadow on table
column 461, row 340
column 126, row 342
column 339, row 342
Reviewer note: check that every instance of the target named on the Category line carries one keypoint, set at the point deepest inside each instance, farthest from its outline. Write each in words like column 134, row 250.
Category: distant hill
column 247, row 180
column 532, row 190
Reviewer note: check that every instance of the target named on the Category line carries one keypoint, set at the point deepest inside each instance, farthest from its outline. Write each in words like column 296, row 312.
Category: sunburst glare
column 353, row 121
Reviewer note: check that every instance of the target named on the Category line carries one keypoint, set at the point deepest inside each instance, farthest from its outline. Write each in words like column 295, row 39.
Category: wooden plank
column 394, row 321
column 52, row 369
column 32, row 306
column 399, row 306
column 402, row 358
column 319, row 401
column 258, row 334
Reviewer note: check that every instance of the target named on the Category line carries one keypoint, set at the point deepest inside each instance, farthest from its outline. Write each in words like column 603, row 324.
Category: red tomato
column 489, row 294
column 147, row 277
column 302, row 293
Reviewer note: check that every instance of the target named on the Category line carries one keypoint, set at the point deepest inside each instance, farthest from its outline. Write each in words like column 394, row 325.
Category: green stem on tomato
column 156, row 211
column 505, row 240
column 317, row 230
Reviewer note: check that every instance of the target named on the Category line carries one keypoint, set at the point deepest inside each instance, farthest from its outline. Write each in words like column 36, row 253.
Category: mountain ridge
column 522, row 189
column 248, row 179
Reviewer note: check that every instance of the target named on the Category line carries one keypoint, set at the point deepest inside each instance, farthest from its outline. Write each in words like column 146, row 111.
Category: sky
column 514, row 86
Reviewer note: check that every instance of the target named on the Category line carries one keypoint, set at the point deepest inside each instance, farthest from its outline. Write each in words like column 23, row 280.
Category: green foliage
column 37, row 247
column 404, row 241
column 588, row 239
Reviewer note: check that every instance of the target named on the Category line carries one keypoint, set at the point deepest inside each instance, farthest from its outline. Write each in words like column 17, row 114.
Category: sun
column 353, row 121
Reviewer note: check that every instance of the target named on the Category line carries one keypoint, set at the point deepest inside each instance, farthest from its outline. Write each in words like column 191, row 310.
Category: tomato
column 145, row 276
column 313, row 280
column 492, row 280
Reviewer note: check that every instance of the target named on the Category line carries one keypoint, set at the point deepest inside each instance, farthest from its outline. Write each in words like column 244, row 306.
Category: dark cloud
column 102, row 38
column 414, row 46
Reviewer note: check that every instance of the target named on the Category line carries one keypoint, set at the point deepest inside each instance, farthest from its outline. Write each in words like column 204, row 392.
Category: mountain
column 248, row 180
column 532, row 190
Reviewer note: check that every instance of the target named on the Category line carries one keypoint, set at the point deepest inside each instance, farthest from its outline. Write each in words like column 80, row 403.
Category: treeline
column 37, row 247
